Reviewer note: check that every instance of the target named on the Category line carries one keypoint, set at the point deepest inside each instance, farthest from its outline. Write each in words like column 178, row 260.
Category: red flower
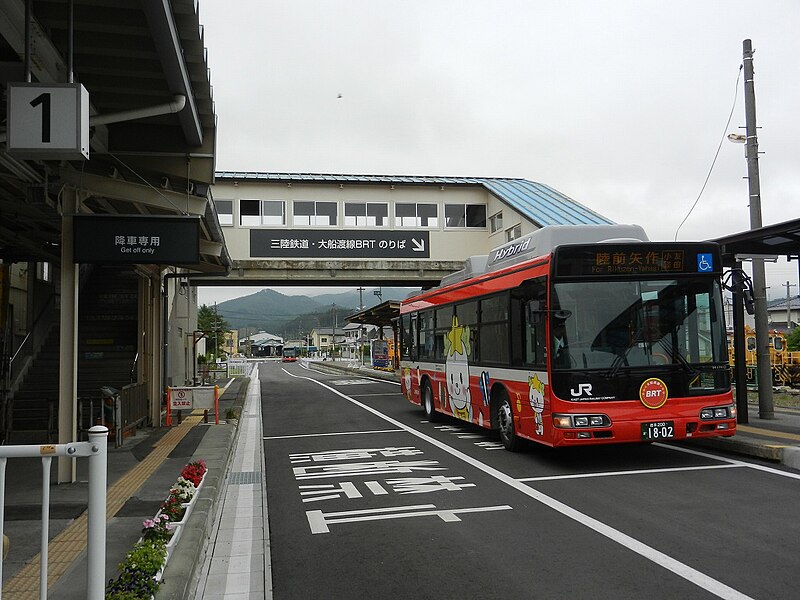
column 194, row 472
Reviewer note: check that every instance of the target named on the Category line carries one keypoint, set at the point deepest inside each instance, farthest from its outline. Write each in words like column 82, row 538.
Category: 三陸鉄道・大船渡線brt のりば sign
column 336, row 243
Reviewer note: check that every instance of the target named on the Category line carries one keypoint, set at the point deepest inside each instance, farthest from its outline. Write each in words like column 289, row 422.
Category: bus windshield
column 625, row 324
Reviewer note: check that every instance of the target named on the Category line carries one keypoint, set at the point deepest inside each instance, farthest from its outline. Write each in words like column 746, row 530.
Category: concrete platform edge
column 184, row 569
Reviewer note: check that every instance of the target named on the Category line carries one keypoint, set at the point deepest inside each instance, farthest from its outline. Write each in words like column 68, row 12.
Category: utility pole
column 788, row 286
column 360, row 298
column 765, row 405
column 216, row 346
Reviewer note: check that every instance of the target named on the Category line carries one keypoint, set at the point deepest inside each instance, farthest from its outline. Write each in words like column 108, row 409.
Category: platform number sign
column 48, row 121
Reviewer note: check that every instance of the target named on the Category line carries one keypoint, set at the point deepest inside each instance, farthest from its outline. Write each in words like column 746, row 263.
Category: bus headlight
column 562, row 421
column 718, row 412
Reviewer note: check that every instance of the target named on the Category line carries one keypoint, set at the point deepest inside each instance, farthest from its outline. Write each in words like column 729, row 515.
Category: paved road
column 369, row 500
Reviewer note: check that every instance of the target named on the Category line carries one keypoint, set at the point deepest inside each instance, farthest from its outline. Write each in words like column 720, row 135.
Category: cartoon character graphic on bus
column 536, row 398
column 407, row 381
column 457, row 348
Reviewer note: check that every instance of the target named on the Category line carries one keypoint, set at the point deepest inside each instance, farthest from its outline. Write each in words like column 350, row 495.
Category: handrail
column 33, row 327
column 133, row 368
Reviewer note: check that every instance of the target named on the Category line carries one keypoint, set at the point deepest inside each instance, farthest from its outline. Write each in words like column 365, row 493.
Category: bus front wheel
column 427, row 402
column 505, row 424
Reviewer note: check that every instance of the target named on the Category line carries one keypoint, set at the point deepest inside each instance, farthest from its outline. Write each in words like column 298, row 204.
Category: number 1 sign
column 48, row 121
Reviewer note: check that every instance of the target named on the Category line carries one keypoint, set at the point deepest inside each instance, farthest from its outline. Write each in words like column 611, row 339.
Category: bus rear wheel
column 505, row 424
column 427, row 402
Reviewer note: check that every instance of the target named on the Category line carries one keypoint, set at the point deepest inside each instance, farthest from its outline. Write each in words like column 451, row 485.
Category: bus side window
column 408, row 328
column 426, row 336
column 413, row 353
column 534, row 319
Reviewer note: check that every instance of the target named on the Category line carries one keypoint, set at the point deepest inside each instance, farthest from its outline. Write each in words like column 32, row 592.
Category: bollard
column 96, row 529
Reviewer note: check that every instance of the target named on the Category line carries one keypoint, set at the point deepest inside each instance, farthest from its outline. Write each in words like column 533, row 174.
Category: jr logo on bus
column 653, row 393
column 583, row 388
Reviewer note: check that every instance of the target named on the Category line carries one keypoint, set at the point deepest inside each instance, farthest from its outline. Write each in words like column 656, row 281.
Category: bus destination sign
column 635, row 259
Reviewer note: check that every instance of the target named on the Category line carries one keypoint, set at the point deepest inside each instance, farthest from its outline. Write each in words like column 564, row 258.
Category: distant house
column 776, row 313
column 328, row 339
column 261, row 344
column 230, row 344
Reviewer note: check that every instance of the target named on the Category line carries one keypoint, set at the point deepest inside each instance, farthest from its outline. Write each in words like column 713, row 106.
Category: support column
column 68, row 340
column 154, row 350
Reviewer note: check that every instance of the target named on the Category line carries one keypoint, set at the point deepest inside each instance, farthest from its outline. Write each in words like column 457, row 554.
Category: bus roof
column 542, row 242
column 539, row 243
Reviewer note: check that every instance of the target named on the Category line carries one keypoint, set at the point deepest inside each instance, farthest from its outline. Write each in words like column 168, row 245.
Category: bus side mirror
column 749, row 301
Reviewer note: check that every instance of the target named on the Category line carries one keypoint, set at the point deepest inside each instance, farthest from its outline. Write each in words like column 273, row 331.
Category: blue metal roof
column 538, row 202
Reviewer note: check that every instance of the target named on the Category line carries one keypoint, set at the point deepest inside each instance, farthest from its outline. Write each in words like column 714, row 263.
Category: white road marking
column 308, row 435
column 319, row 521
column 631, row 472
column 731, row 461
column 681, row 569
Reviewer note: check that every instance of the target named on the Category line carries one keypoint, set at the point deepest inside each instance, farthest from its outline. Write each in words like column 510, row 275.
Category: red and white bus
column 575, row 335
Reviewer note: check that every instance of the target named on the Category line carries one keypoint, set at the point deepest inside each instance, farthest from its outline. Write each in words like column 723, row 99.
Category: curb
column 788, row 456
column 333, row 367
column 791, row 457
column 184, row 569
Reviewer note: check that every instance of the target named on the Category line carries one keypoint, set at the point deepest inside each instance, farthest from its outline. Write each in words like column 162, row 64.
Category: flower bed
column 141, row 570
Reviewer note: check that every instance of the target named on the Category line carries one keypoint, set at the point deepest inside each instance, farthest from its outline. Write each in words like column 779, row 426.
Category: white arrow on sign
column 418, row 245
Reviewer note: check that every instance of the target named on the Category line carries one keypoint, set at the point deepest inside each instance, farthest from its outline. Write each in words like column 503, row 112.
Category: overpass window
column 465, row 215
column 366, row 214
column 416, row 215
column 224, row 211
column 496, row 222
column 273, row 212
column 261, row 212
column 315, row 213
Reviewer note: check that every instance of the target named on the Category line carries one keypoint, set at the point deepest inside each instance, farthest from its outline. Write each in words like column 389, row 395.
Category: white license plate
column 659, row 430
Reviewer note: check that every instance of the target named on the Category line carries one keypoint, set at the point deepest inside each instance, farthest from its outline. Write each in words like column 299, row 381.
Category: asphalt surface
column 706, row 505
column 627, row 521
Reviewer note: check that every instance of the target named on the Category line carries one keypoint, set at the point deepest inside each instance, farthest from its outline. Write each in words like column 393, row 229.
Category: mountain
column 294, row 316
column 370, row 298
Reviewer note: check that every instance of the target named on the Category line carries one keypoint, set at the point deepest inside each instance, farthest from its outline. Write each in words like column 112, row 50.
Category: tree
column 793, row 340
column 214, row 326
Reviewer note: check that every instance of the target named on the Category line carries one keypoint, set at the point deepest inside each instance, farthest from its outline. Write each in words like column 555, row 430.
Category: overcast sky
column 620, row 104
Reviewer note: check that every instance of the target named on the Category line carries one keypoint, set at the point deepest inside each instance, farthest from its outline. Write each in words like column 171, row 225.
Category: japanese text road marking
column 319, row 521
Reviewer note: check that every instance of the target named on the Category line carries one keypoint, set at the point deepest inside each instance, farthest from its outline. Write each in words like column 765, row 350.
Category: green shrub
column 138, row 571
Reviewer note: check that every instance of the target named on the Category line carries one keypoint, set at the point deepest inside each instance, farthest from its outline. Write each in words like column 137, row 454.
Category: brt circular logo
column 653, row 393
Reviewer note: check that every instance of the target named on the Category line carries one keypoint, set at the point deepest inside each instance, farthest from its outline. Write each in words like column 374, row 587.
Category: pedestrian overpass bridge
column 342, row 230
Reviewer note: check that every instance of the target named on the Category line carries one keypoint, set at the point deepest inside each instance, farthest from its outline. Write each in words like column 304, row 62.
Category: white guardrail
column 96, row 451
column 238, row 367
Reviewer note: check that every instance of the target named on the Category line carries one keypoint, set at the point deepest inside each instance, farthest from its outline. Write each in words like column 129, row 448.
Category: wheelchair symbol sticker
column 705, row 263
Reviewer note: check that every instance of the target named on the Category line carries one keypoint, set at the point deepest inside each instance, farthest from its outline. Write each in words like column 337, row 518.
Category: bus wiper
column 678, row 356
column 619, row 359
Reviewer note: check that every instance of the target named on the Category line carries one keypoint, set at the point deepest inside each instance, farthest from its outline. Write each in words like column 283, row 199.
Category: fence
column 239, row 367
column 120, row 411
column 96, row 451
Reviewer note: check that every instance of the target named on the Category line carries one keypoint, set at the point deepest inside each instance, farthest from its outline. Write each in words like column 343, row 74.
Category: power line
column 719, row 147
